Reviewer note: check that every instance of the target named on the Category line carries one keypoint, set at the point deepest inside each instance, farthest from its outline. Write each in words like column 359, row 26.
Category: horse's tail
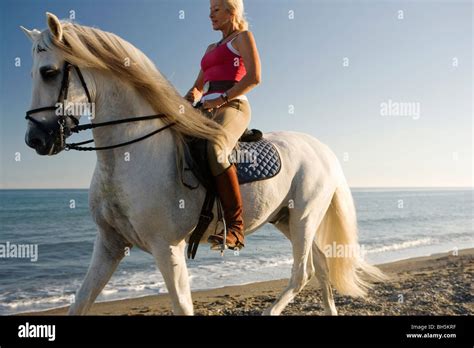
column 337, row 239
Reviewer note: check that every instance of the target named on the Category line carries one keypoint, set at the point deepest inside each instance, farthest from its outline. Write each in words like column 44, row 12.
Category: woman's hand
column 193, row 95
column 213, row 103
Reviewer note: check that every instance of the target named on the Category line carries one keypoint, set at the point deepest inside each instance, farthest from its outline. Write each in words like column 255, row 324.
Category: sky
column 387, row 85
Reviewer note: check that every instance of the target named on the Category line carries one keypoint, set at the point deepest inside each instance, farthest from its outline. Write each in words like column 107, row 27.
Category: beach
column 430, row 222
column 440, row 284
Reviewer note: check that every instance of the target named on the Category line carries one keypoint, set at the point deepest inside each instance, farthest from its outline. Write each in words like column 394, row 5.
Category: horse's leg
column 106, row 256
column 321, row 270
column 302, row 236
column 171, row 262
column 322, row 274
column 303, row 223
column 284, row 227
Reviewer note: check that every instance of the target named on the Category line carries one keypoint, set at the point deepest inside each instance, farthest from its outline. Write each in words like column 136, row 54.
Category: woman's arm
column 245, row 44
column 195, row 92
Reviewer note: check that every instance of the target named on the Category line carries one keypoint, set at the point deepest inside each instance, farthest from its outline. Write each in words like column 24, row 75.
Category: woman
column 229, row 69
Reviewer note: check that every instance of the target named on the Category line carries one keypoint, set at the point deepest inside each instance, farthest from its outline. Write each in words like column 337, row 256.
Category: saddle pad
column 255, row 161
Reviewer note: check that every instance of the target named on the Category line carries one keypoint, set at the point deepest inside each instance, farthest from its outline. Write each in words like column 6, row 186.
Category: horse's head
column 54, row 82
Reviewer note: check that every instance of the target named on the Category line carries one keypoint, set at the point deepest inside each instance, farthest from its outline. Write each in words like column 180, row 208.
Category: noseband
column 64, row 131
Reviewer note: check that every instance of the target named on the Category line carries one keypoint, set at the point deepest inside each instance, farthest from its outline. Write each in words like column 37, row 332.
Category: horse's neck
column 117, row 100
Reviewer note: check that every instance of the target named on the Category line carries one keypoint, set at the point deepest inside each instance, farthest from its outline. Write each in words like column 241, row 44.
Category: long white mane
column 89, row 47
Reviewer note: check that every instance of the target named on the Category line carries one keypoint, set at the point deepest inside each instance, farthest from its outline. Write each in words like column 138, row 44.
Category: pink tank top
column 222, row 64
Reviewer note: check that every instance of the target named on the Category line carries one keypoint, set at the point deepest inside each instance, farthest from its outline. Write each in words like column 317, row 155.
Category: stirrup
column 217, row 244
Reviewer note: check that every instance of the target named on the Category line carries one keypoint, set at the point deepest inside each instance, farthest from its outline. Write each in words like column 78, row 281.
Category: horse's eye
column 49, row 72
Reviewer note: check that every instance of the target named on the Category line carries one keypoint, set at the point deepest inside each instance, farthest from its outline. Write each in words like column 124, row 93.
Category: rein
column 78, row 128
column 63, row 92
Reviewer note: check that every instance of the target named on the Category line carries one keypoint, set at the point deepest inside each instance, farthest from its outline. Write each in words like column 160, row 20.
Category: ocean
column 394, row 224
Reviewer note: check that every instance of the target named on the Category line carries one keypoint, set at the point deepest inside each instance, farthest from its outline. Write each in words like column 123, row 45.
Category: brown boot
column 227, row 185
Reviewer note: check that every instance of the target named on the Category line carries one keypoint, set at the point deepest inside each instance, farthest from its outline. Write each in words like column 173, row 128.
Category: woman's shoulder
column 244, row 38
column 244, row 35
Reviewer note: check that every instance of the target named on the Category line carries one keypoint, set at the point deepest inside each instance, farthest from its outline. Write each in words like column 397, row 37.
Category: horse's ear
column 33, row 35
column 54, row 26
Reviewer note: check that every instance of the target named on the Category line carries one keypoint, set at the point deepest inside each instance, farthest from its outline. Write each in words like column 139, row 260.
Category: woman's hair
column 236, row 7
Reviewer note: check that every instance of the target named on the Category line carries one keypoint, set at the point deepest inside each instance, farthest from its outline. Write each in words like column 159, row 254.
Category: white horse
column 136, row 197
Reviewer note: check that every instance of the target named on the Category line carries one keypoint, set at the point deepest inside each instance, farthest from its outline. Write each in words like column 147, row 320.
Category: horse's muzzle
column 42, row 142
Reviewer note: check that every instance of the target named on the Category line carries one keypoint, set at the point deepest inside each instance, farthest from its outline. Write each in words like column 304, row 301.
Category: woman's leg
column 234, row 117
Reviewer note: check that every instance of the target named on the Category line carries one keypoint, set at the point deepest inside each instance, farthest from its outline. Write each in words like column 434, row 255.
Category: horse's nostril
column 35, row 143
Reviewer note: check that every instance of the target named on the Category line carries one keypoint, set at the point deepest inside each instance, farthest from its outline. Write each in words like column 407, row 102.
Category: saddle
column 255, row 157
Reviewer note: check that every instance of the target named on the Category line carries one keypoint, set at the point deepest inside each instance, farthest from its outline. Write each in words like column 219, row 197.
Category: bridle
column 63, row 92
column 64, row 131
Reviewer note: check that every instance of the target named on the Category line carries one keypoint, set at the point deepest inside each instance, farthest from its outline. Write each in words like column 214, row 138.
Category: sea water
column 393, row 224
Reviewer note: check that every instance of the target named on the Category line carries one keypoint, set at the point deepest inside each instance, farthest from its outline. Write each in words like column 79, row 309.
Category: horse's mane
column 89, row 47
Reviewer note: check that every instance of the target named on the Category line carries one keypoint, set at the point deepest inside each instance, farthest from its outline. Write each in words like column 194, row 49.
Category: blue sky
column 304, row 64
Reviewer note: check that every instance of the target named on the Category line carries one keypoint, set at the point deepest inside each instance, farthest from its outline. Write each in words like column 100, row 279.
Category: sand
column 439, row 284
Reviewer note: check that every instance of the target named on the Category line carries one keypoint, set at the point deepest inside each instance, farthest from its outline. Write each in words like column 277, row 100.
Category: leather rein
column 64, row 131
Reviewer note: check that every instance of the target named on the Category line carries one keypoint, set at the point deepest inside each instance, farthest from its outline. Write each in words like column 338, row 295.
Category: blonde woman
column 229, row 69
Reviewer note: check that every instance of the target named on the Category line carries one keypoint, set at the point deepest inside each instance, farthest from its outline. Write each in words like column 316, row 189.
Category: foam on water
column 402, row 245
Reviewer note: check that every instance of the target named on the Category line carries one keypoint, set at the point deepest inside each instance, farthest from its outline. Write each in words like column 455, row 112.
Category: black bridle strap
column 83, row 83
column 45, row 108
column 79, row 128
column 38, row 123
column 77, row 147
column 63, row 91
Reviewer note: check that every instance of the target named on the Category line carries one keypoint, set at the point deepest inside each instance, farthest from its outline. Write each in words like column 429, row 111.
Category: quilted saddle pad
column 255, row 161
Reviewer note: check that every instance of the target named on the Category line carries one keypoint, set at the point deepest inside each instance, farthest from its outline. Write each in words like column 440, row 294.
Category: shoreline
column 427, row 285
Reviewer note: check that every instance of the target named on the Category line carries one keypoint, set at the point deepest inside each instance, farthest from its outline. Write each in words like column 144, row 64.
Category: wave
column 38, row 303
column 400, row 246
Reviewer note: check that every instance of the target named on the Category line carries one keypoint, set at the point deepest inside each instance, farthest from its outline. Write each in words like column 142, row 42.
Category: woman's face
column 219, row 15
